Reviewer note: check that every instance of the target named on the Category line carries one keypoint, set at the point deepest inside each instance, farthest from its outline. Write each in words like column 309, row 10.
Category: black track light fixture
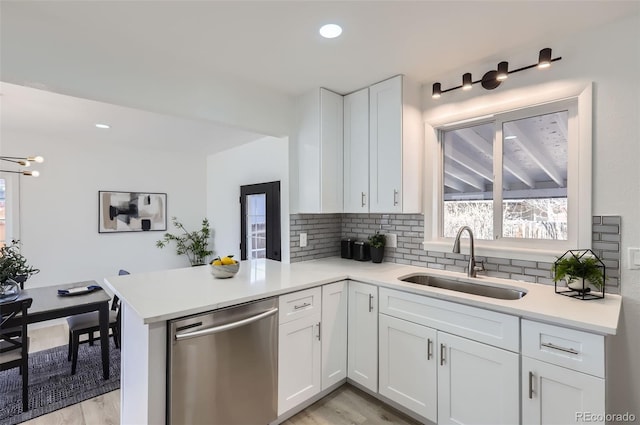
column 503, row 71
column 467, row 81
column 544, row 59
column 437, row 91
column 492, row 79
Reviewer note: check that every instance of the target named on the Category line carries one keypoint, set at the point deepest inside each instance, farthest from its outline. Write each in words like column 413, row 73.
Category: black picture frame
column 131, row 211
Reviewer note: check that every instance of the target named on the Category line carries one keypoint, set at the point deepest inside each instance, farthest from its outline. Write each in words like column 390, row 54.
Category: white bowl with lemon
column 225, row 267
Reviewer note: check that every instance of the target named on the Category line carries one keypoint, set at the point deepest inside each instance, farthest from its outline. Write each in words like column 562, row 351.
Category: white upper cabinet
column 396, row 146
column 320, row 151
column 356, row 152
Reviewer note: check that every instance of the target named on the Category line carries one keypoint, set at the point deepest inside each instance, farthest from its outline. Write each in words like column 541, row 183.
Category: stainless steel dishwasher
column 223, row 366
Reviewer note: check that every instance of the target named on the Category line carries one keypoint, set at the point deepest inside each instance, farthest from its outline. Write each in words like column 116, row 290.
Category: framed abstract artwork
column 131, row 212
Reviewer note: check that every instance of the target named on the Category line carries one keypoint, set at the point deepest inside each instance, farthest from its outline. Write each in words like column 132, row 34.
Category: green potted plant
column 195, row 245
column 14, row 270
column 376, row 244
column 579, row 270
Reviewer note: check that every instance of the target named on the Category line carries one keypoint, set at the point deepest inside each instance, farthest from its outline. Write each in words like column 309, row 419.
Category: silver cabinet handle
column 395, row 197
column 298, row 307
column 227, row 327
column 530, row 385
column 443, row 350
column 363, row 199
column 370, row 303
column 319, row 333
column 429, row 348
column 557, row 347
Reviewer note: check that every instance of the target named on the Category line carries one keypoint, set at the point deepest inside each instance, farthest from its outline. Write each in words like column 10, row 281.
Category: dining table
column 49, row 304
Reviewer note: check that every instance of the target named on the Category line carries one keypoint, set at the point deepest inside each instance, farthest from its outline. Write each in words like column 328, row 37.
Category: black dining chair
column 88, row 324
column 14, row 342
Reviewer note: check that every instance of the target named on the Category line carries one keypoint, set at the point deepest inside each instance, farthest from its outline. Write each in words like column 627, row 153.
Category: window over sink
column 521, row 179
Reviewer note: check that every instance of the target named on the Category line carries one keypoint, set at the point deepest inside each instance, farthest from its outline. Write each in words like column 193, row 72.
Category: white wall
column 261, row 161
column 610, row 58
column 59, row 209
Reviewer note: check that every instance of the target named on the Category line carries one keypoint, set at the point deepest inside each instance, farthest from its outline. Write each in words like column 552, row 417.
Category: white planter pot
column 580, row 285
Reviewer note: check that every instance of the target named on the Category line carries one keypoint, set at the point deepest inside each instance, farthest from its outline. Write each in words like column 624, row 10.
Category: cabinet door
column 408, row 365
column 555, row 395
column 320, row 151
column 356, row 152
column 385, row 146
column 298, row 361
column 363, row 335
column 334, row 333
column 477, row 383
column 331, row 151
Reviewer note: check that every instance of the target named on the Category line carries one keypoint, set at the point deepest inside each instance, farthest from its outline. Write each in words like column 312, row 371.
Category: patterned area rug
column 51, row 385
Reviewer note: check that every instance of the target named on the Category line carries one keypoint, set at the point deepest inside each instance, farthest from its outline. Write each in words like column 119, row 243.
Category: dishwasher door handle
column 227, row 327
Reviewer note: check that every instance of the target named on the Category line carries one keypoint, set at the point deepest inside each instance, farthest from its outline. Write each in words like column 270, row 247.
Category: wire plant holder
column 586, row 293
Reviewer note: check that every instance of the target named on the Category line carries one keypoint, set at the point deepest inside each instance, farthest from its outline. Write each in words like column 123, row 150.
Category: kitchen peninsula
column 151, row 299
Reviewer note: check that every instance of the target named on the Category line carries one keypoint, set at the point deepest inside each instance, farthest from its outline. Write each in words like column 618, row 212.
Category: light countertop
column 169, row 294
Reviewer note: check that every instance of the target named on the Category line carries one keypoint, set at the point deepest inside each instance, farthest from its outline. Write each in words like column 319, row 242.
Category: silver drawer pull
column 429, row 348
column 298, row 307
column 531, row 385
column 556, row 347
column 443, row 350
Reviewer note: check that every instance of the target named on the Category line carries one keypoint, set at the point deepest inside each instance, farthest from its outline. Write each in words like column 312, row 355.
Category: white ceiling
column 25, row 110
column 275, row 45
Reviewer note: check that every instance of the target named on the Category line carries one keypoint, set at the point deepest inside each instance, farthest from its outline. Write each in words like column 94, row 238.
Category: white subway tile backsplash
column 326, row 230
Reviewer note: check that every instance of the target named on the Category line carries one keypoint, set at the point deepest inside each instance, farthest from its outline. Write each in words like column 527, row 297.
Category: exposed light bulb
column 37, row 159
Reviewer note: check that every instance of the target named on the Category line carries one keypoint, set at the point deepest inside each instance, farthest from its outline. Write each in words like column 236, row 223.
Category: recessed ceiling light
column 103, row 126
column 510, row 137
column 330, row 30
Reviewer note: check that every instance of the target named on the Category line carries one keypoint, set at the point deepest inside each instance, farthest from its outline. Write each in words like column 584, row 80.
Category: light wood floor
column 345, row 406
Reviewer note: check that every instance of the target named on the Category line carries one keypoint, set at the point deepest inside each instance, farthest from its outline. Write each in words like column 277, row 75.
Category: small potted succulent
column 14, row 271
column 579, row 271
column 376, row 244
column 195, row 245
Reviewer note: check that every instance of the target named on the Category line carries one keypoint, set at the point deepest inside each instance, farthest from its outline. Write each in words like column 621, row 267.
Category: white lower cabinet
column 446, row 362
column 334, row 333
column 363, row 335
column 477, row 383
column 556, row 395
column 563, row 375
column 298, row 361
column 312, row 348
column 408, row 365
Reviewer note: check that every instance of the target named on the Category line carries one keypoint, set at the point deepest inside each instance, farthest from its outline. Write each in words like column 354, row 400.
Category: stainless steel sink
column 466, row 287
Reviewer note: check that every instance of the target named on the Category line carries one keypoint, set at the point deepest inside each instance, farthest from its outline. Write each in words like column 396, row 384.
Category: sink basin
column 466, row 287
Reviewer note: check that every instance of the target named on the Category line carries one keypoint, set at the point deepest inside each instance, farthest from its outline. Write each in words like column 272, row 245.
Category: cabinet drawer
column 497, row 329
column 299, row 304
column 577, row 350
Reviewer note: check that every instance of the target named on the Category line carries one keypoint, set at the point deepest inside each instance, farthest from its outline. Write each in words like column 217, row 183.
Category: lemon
column 227, row 261
column 216, row 262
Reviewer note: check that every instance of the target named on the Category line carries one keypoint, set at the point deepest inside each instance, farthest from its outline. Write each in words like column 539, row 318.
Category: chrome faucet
column 473, row 268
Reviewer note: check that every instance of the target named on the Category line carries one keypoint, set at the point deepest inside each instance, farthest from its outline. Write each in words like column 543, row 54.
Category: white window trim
column 12, row 211
column 580, row 213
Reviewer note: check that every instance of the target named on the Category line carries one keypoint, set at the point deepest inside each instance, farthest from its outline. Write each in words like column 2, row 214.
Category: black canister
column 346, row 248
column 361, row 251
